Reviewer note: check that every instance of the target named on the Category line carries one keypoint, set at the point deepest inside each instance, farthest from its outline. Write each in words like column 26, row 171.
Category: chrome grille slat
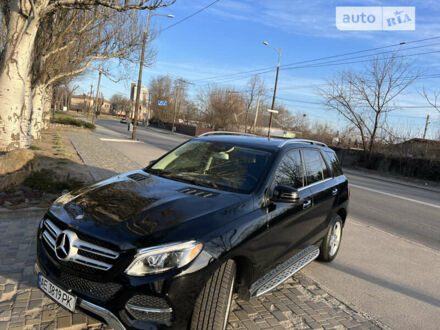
column 50, row 233
column 49, row 239
column 54, row 230
column 95, row 249
column 90, row 262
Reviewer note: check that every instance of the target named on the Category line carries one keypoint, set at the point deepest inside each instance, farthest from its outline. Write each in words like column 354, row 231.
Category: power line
column 189, row 16
column 325, row 64
column 271, row 68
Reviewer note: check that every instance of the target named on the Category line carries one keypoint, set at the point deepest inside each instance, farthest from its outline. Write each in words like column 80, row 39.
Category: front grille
column 76, row 250
column 95, row 289
column 149, row 308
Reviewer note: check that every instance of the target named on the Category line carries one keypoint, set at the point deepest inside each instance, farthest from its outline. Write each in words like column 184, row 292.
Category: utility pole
column 279, row 51
column 426, row 127
column 139, row 84
column 96, row 98
column 89, row 101
column 175, row 104
column 141, row 66
column 256, row 112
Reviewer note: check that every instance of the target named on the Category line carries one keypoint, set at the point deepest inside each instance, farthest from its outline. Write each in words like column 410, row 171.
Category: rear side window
column 316, row 168
column 290, row 170
column 333, row 161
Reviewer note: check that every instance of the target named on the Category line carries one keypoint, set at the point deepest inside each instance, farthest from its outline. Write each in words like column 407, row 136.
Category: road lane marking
column 395, row 196
column 119, row 140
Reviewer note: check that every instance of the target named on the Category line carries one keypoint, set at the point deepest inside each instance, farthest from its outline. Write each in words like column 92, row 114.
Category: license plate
column 59, row 295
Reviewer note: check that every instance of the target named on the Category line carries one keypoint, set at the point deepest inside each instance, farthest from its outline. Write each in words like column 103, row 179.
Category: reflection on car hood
column 124, row 210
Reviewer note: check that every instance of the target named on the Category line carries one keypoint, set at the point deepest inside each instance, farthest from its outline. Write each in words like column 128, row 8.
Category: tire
column 211, row 310
column 332, row 240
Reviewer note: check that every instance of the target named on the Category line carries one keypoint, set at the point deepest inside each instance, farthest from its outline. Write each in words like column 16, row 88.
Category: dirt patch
column 60, row 169
column 15, row 160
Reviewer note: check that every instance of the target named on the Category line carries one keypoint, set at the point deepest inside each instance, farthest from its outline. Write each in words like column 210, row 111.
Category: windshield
column 217, row 165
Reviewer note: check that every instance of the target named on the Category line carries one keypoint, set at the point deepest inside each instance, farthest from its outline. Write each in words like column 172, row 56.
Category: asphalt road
column 389, row 260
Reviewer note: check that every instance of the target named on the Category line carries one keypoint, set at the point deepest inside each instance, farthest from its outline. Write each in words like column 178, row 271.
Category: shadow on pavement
column 387, row 284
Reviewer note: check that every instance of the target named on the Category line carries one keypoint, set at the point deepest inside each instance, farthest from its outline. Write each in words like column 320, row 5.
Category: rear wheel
column 211, row 310
column 332, row 241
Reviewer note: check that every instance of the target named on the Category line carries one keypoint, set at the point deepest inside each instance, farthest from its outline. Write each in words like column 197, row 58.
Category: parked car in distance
column 123, row 121
column 168, row 245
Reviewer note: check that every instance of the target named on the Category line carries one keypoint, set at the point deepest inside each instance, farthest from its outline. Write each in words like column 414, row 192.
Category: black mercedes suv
column 168, row 245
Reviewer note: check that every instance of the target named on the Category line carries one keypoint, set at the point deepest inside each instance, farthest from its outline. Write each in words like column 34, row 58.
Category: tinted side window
column 316, row 169
column 290, row 170
column 332, row 159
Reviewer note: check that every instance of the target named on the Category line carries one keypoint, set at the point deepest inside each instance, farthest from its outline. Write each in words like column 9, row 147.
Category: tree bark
column 14, row 82
column 47, row 102
column 38, row 96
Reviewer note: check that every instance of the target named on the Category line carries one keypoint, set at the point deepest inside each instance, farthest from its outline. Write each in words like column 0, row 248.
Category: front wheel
column 211, row 310
column 332, row 241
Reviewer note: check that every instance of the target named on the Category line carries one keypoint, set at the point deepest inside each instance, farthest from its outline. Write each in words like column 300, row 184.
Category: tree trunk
column 14, row 74
column 47, row 102
column 38, row 96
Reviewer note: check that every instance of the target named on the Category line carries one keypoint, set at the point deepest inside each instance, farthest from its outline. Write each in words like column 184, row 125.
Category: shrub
column 68, row 120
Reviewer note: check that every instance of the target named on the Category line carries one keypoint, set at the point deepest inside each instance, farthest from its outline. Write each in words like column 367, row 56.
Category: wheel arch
column 342, row 212
column 244, row 275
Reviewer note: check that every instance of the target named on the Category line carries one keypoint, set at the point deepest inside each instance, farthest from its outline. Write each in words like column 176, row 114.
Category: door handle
column 334, row 191
column 307, row 204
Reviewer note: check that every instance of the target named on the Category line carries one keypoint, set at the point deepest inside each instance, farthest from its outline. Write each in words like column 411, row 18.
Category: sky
column 227, row 38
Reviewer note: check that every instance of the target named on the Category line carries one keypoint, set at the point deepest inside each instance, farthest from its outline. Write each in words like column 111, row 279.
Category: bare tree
column 222, row 108
column 162, row 89
column 434, row 100
column 119, row 104
column 254, row 88
column 364, row 98
column 23, row 20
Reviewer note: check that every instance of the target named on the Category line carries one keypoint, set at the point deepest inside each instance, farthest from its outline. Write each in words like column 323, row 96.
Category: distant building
column 83, row 102
column 143, row 101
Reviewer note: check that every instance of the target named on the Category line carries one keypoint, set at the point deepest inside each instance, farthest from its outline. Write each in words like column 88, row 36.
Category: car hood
column 138, row 209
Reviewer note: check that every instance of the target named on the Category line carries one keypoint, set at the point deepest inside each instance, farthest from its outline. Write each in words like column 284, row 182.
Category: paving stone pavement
column 102, row 160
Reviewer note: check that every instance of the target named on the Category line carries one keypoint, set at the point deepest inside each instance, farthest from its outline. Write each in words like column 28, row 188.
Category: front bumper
column 154, row 302
column 99, row 311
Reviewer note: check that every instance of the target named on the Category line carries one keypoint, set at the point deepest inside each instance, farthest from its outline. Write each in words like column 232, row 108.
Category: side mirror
column 285, row 194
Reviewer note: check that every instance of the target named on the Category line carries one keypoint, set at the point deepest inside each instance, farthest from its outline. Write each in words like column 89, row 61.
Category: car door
column 288, row 222
column 320, row 181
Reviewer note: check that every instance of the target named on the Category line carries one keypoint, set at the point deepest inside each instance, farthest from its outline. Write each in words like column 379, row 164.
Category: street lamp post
column 141, row 66
column 279, row 51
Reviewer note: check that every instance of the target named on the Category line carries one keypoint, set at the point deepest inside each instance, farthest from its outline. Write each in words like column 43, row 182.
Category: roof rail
column 303, row 141
column 226, row 133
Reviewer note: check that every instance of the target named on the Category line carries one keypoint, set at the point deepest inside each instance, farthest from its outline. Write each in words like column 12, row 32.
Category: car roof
column 272, row 144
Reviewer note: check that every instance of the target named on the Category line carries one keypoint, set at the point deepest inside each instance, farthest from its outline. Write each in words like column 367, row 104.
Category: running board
column 284, row 271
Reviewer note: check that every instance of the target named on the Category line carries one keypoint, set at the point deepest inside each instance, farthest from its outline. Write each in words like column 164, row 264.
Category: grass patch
column 34, row 148
column 47, row 181
column 69, row 120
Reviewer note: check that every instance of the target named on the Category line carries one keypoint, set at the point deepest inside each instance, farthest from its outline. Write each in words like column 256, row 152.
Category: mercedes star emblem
column 62, row 246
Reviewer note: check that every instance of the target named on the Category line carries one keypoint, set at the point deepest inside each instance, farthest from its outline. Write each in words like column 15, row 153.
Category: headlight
column 164, row 257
